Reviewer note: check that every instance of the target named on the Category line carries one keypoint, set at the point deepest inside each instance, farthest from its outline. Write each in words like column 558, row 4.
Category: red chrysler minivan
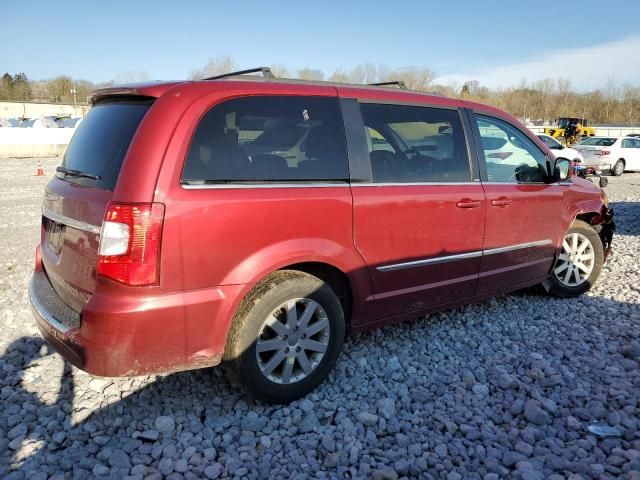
column 252, row 221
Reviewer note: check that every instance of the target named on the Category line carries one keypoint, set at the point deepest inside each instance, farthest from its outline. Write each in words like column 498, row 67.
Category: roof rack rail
column 397, row 83
column 266, row 72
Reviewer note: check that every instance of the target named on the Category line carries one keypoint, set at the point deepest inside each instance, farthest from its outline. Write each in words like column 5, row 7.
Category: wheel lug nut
column 298, row 349
column 285, row 337
column 286, row 350
column 304, row 335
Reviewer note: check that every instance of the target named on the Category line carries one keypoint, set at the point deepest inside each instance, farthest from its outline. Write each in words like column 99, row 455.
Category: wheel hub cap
column 293, row 341
column 576, row 261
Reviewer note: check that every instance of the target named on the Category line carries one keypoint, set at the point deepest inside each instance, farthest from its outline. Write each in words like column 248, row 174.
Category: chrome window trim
column 411, row 184
column 462, row 256
column 71, row 222
column 428, row 261
column 527, row 183
column 236, row 186
column 42, row 312
column 325, row 185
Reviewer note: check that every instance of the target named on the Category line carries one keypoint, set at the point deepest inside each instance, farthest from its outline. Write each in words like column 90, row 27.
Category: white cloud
column 587, row 67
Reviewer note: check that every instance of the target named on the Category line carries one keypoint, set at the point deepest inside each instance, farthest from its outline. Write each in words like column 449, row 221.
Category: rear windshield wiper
column 77, row 173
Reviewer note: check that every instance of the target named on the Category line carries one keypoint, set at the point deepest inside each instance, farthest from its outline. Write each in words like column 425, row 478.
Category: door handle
column 468, row 203
column 501, row 202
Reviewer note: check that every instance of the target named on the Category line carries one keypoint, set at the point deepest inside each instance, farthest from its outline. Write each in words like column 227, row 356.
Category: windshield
column 598, row 141
column 101, row 142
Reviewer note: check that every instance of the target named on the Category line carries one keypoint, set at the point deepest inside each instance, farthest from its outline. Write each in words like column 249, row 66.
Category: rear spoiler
column 141, row 91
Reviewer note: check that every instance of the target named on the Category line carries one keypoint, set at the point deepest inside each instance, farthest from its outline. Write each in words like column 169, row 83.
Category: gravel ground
column 505, row 388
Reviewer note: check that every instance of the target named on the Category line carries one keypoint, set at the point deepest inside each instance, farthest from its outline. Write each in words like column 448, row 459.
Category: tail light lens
column 130, row 243
column 603, row 153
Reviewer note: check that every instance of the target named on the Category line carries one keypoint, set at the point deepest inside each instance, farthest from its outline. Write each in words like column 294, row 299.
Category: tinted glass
column 627, row 143
column 509, row 154
column 101, row 142
column 598, row 141
column 415, row 144
column 550, row 142
column 275, row 138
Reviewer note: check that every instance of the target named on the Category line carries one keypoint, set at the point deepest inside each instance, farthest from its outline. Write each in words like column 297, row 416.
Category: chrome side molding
column 429, row 261
column 462, row 256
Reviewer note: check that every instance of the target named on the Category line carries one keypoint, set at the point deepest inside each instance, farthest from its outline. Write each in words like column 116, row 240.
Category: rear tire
column 285, row 337
column 578, row 266
column 618, row 168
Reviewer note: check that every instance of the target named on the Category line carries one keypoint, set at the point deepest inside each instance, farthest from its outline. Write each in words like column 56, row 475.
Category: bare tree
column 214, row 66
column 310, row 74
column 415, row 78
column 339, row 75
column 280, row 71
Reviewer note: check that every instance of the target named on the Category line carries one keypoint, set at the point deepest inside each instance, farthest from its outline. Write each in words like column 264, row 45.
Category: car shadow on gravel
column 627, row 218
column 135, row 430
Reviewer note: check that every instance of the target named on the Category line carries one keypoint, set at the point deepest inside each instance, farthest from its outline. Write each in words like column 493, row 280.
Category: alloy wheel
column 576, row 261
column 293, row 340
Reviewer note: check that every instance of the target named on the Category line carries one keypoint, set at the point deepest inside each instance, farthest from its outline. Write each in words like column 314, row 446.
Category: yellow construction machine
column 570, row 130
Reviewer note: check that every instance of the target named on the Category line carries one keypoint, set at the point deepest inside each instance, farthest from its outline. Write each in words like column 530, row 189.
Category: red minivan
column 252, row 221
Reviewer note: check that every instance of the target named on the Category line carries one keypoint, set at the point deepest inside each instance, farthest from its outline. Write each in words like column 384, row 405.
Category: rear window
column 269, row 139
column 598, row 141
column 101, row 142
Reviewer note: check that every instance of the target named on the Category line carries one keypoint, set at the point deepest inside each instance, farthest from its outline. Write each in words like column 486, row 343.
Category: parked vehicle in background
column 611, row 155
column 68, row 122
column 166, row 245
column 560, row 150
column 9, row 122
column 41, row 122
column 635, row 135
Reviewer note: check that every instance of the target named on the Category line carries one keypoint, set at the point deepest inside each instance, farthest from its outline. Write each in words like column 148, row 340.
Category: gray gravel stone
column 165, row 423
column 534, row 413
column 386, row 408
column 17, row 431
column 213, row 471
column 367, row 418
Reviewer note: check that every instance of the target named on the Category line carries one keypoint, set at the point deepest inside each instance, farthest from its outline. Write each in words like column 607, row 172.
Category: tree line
column 540, row 101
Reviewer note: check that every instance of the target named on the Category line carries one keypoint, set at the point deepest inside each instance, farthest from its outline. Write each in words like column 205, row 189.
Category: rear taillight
column 603, row 153
column 130, row 243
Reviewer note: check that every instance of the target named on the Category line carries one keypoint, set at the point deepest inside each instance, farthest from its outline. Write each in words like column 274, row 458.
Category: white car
column 611, row 154
column 559, row 150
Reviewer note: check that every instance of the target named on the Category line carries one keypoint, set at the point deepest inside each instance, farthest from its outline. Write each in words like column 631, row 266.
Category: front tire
column 618, row 168
column 285, row 337
column 578, row 266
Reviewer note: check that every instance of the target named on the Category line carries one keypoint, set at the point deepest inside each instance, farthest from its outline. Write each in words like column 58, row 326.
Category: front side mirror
column 562, row 169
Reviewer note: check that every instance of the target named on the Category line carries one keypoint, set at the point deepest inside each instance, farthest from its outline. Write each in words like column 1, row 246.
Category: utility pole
column 584, row 104
column 73, row 92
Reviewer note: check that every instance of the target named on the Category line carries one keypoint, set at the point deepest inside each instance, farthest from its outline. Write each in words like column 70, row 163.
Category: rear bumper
column 139, row 334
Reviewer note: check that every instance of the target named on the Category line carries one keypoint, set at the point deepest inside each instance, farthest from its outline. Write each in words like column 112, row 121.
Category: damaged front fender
column 605, row 226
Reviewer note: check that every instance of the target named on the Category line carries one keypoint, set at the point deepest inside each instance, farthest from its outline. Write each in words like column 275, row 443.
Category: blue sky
column 496, row 42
